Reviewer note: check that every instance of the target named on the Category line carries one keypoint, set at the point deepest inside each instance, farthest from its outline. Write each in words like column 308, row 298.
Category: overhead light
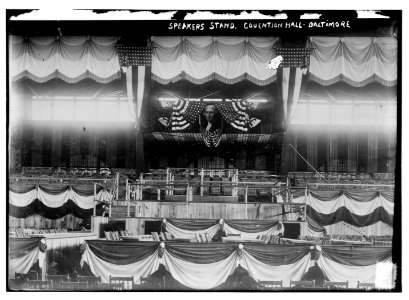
column 257, row 100
column 212, row 100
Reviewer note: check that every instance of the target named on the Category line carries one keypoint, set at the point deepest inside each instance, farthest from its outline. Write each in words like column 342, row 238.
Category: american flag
column 235, row 112
column 185, row 113
column 212, row 139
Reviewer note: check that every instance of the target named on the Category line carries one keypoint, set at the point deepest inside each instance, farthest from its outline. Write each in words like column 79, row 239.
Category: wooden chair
column 21, row 277
column 302, row 283
column 92, row 280
column 366, row 285
column 109, row 286
column 127, row 282
column 152, row 283
column 270, row 285
column 73, row 286
column 335, row 284
column 38, row 285
column 57, row 278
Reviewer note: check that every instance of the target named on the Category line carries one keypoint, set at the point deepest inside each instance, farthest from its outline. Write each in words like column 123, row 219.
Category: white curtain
column 200, row 276
column 203, row 58
column 102, row 268
column 355, row 60
column 252, row 235
column 338, row 272
column 23, row 263
column 190, row 234
column 70, row 58
column 261, row 271
column 54, row 201
column 23, row 199
column 360, row 208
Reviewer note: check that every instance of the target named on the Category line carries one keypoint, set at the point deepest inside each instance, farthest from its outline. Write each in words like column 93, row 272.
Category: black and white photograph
column 203, row 150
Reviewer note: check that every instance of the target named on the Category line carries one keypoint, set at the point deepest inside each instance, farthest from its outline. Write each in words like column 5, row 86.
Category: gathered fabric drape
column 200, row 276
column 206, row 266
column 358, row 211
column 23, row 253
column 202, row 58
column 70, row 58
column 137, row 268
column 335, row 271
column 285, row 272
column 54, row 201
column 354, row 60
column 188, row 229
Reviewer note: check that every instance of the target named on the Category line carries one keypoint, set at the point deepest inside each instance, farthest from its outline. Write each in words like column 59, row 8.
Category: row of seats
column 26, row 232
column 384, row 240
column 311, row 284
column 84, row 283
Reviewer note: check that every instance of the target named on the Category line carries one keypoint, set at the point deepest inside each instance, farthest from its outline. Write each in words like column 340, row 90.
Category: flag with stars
column 185, row 113
column 235, row 113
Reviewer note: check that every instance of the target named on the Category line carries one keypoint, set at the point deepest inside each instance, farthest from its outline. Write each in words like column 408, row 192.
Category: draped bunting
column 205, row 266
column 362, row 212
column 143, row 267
column 138, row 87
column 335, row 271
column 355, row 60
column 361, row 256
column 23, row 253
column 54, row 201
column 188, row 229
column 70, row 58
column 202, row 58
column 200, row 276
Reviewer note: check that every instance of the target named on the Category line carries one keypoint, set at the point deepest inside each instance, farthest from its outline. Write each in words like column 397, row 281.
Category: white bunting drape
column 360, row 208
column 338, row 272
column 203, row 58
column 252, row 235
column 102, row 268
column 261, row 271
column 190, row 234
column 24, row 263
column 200, row 276
column 54, row 201
column 355, row 60
column 70, row 58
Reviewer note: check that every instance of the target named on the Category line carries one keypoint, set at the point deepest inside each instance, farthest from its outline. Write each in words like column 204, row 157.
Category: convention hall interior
column 159, row 155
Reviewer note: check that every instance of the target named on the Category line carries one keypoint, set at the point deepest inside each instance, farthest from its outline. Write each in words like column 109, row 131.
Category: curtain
column 200, row 276
column 262, row 271
column 144, row 267
column 205, row 266
column 187, row 229
column 70, row 58
column 190, row 233
column 335, row 271
column 54, row 201
column 201, row 59
column 23, row 253
column 354, row 60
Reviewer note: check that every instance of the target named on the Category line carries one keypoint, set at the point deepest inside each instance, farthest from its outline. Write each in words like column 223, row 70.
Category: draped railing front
column 206, row 266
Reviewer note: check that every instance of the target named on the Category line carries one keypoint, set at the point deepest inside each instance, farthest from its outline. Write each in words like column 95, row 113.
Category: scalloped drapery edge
column 59, row 75
column 244, row 76
column 342, row 77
